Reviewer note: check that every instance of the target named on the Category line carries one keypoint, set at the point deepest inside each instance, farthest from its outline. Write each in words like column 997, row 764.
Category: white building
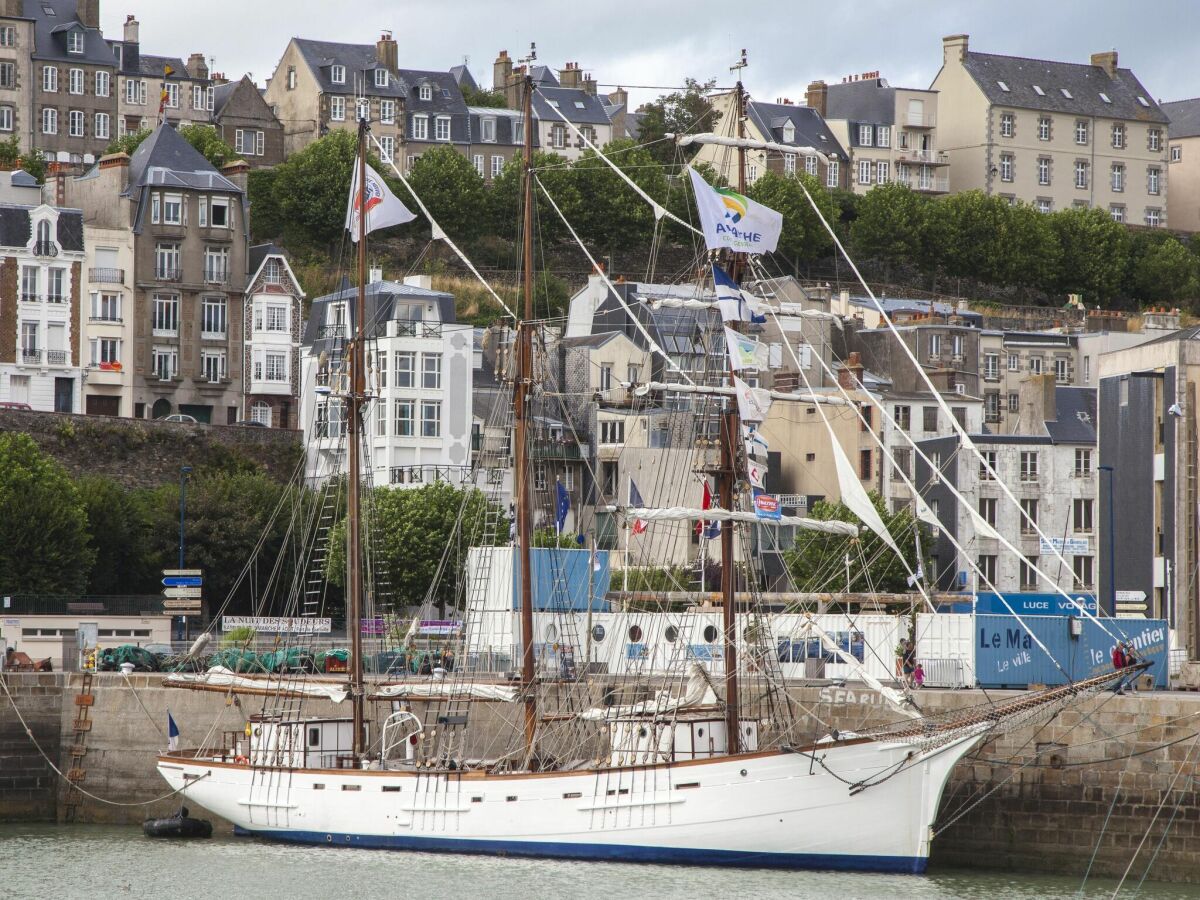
column 42, row 266
column 420, row 377
column 106, row 321
column 272, row 329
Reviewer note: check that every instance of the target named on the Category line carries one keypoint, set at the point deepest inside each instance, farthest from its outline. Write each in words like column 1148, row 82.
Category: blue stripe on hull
column 629, row 853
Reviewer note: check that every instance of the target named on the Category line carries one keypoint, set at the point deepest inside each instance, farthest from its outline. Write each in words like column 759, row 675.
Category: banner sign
column 277, row 624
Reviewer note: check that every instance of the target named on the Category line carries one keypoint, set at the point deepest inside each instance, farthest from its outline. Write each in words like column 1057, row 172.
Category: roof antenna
column 532, row 54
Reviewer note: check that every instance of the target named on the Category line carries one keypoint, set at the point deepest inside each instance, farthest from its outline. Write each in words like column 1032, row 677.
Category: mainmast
column 355, row 399
column 731, row 433
column 521, row 384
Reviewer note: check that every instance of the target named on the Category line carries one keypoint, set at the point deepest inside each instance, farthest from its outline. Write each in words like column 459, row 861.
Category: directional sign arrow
column 182, row 580
column 1131, row 596
column 183, row 592
column 181, row 572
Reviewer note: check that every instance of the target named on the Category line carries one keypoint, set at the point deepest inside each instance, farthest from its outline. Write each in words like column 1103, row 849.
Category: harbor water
column 88, row 861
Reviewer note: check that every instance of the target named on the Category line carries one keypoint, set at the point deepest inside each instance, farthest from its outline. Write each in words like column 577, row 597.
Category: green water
column 84, row 861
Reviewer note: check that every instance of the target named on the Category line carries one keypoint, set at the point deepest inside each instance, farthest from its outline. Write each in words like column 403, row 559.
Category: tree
column 11, row 158
column 1095, row 251
column 117, row 538
column 206, row 140
column 43, row 523
column 973, row 236
column 481, row 97
column 1035, row 253
column 266, row 221
column 311, row 188
column 890, row 225
column 817, row 560
column 614, row 216
column 1165, row 271
column 416, row 527
column 127, row 142
column 505, row 198
column 451, row 189
column 681, row 112
column 804, row 238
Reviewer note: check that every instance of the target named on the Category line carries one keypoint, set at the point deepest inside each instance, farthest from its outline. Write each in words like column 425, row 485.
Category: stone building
column 246, row 123
column 497, row 136
column 189, row 227
column 107, row 319
column 1183, row 155
column 41, row 272
column 570, row 95
column 1053, row 134
column 273, row 313
column 143, row 78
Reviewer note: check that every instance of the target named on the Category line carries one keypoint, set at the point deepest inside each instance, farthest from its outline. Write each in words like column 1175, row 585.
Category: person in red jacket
column 1119, row 662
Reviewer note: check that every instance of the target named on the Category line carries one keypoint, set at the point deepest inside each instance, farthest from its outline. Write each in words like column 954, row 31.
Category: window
column 54, row 285
column 1152, row 179
column 363, row 107
column 1029, row 577
column 172, row 209
column 135, row 92
column 487, row 130
column 991, row 366
column 864, row 465
column 381, row 422
column 74, row 41
column 49, row 121
column 864, row 136
column 405, row 418
column 381, row 78
column 1154, row 139
column 1006, row 167
column 420, row 128
column 337, row 74
column 1117, row 211
column 431, row 371
column 1153, row 216
column 1081, row 173
column 105, row 351
column 558, row 136
column 1062, row 371
column 171, row 89
column 425, row 92
column 275, row 366
column 387, row 112
column 260, row 411
column 8, row 75
column 198, row 93
column 903, row 463
column 882, row 174
column 991, row 406
column 1044, row 204
column 431, row 418
column 213, row 317
column 442, row 128
column 605, row 378
column 1081, row 132
column 1083, row 568
column 50, row 79
column 387, row 147
column 1035, row 365
column 165, row 362
column 1043, row 170
column 166, row 262
column 989, row 456
column 75, row 81
column 8, row 36
column 810, row 165
column 30, row 275
column 929, row 416
column 1118, row 177
column 1029, row 516
column 1118, row 136
column 867, row 418
column 406, row 369
column 1081, row 514
column 219, row 215
column 1007, row 124
column 1014, row 403
column 213, row 365
column 337, row 109
column 75, row 123
column 1029, row 464
column 832, row 178
column 612, row 432
column 243, row 142
column 987, row 569
column 6, row 118
column 1176, row 153
column 477, row 161
column 883, row 136
column 101, row 126
column 1043, row 128
column 1083, row 462
column 789, row 163
column 903, row 417
column 956, row 342
column 165, row 310
column 865, row 167
column 497, row 165
column 987, row 510
column 1014, row 362
column 935, row 345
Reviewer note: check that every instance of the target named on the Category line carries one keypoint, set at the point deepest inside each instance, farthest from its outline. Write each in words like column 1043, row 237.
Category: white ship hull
column 776, row 809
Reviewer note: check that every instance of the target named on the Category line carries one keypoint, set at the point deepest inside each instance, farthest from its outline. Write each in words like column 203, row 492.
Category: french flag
column 708, row 529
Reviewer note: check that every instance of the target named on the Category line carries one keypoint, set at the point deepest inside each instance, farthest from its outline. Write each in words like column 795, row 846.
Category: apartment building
column 41, row 271
column 1053, row 134
column 189, row 227
column 272, row 326
column 916, row 413
column 143, row 79
column 497, row 136
column 571, row 95
column 246, row 123
column 889, row 132
column 1183, row 162
column 802, row 127
column 107, row 320
column 419, row 420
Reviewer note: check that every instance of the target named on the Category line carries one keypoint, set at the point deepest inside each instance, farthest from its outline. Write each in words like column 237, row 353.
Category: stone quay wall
column 1042, row 798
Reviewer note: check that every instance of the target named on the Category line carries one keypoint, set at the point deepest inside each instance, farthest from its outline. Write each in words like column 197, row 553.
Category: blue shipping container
column 1034, row 604
column 560, row 579
column 1007, row 657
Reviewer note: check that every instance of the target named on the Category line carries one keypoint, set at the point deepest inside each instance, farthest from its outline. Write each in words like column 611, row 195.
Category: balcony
column 104, row 320
column 924, row 157
column 167, row 273
column 408, row 328
column 30, row 298
column 216, row 275
column 106, row 276
column 331, row 331
column 56, row 357
column 920, row 120
column 56, row 298
column 938, row 184
column 555, row 449
column 45, row 248
column 31, row 357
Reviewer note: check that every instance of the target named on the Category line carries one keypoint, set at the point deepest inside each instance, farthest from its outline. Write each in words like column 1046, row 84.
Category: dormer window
column 789, row 133
column 337, row 74
column 74, row 41
column 45, row 243
column 425, row 92
column 381, row 78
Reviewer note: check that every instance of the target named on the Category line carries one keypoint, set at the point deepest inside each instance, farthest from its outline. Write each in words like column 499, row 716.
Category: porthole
column 671, row 634
column 710, row 633
column 551, row 634
column 598, row 633
column 635, row 634
column 642, row 731
column 699, row 732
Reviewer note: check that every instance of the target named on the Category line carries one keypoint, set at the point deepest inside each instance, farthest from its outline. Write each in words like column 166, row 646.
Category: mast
column 353, row 514
column 731, row 431
column 520, row 439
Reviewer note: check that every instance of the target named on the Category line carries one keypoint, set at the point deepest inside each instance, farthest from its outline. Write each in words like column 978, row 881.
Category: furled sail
column 698, row 692
column 221, row 678
column 683, row 513
column 451, row 690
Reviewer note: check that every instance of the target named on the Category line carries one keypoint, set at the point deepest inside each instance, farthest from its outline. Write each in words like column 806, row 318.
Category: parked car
column 181, row 417
column 7, row 404
column 251, row 423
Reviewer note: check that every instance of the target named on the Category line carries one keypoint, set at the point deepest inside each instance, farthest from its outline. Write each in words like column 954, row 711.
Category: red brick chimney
column 818, row 91
column 850, row 373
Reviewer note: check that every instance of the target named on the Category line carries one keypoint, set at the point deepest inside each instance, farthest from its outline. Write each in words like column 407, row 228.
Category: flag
column 766, row 506
column 757, row 473
column 708, row 529
column 916, row 576
column 384, row 208
column 734, row 303
column 162, row 100
column 733, row 220
column 753, row 403
column 745, row 352
column 172, row 733
column 635, row 500
column 562, row 506
column 756, row 444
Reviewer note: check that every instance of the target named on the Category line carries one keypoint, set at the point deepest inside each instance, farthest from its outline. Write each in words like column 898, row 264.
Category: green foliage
column 548, row 537
column 266, row 220
column 817, row 560
column 505, row 198
column 242, row 636
column 976, row 236
column 613, row 216
column 415, row 527
column 653, row 579
column 1094, row 251
column 117, row 538
column 889, row 225
column 452, row 190
column 127, row 142
column 1164, row 271
column 804, row 238
column 480, row 97
column 43, row 523
column 680, row 112
column 11, row 158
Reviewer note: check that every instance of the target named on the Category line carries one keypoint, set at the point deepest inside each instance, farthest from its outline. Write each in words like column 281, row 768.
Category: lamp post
column 1112, row 538
column 184, row 472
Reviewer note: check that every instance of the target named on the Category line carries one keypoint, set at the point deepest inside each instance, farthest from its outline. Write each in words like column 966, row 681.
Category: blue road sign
column 183, row 581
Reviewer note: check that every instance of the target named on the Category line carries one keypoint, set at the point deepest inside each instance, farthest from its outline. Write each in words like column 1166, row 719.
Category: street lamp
column 184, row 472
column 1112, row 537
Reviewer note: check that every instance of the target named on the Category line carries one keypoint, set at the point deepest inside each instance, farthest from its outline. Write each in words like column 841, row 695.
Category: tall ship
column 698, row 759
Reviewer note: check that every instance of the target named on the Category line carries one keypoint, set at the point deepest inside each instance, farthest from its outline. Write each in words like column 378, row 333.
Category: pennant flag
column 708, row 529
column 745, row 352
column 753, row 403
column 562, row 506
column 916, row 576
column 733, row 220
column 757, row 473
column 635, row 500
column 735, row 304
column 172, row 733
column 384, row 208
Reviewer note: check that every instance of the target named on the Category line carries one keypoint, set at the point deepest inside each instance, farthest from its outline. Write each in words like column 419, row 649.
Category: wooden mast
column 521, row 382
column 731, row 433
column 353, row 514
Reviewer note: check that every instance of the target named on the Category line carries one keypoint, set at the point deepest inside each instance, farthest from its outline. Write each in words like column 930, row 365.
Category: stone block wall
column 28, row 785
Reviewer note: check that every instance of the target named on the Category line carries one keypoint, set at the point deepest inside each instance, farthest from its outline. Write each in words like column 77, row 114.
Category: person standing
column 1119, row 663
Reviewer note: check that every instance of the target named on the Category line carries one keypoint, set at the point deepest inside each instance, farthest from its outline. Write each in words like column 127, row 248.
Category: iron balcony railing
column 29, row 355
column 45, row 248
column 107, row 276
column 56, row 357
column 168, row 273
column 331, row 331
column 216, row 275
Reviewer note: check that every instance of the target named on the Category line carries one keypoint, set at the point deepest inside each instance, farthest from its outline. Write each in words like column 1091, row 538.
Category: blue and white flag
column 734, row 303
column 756, row 444
column 746, row 352
column 172, row 733
column 733, row 220
column 561, row 507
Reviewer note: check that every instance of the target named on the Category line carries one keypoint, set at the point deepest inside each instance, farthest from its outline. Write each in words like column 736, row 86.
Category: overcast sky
column 652, row 42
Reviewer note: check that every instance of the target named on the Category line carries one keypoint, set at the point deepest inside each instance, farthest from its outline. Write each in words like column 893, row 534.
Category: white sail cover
column 708, row 137
column 699, row 692
column 448, row 689
column 782, row 313
column 642, row 390
column 683, row 513
column 221, row 677
column 854, row 495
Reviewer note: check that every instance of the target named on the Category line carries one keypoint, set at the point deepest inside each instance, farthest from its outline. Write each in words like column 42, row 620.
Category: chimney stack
column 619, row 97
column 88, row 13
column 850, row 374
column 570, row 76
column 131, row 30
column 954, row 48
column 589, row 85
column 502, row 80
column 238, row 172
column 197, row 67
column 1107, row 62
column 815, row 98
column 386, row 53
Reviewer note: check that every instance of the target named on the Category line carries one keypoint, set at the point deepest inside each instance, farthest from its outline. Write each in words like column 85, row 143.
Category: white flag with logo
column 745, row 352
column 753, row 403
column 733, row 220
column 384, row 208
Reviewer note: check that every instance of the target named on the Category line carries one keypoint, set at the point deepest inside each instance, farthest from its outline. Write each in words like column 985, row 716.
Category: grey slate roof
column 357, row 58
column 464, row 78
column 1076, row 411
column 16, row 230
column 506, row 119
column 811, row 130
column 222, row 94
column 591, row 112
column 50, row 35
column 258, row 254
column 872, row 100
column 383, row 297
column 154, row 66
column 445, row 99
column 1084, row 82
column 544, row 76
column 1184, row 116
column 165, row 158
